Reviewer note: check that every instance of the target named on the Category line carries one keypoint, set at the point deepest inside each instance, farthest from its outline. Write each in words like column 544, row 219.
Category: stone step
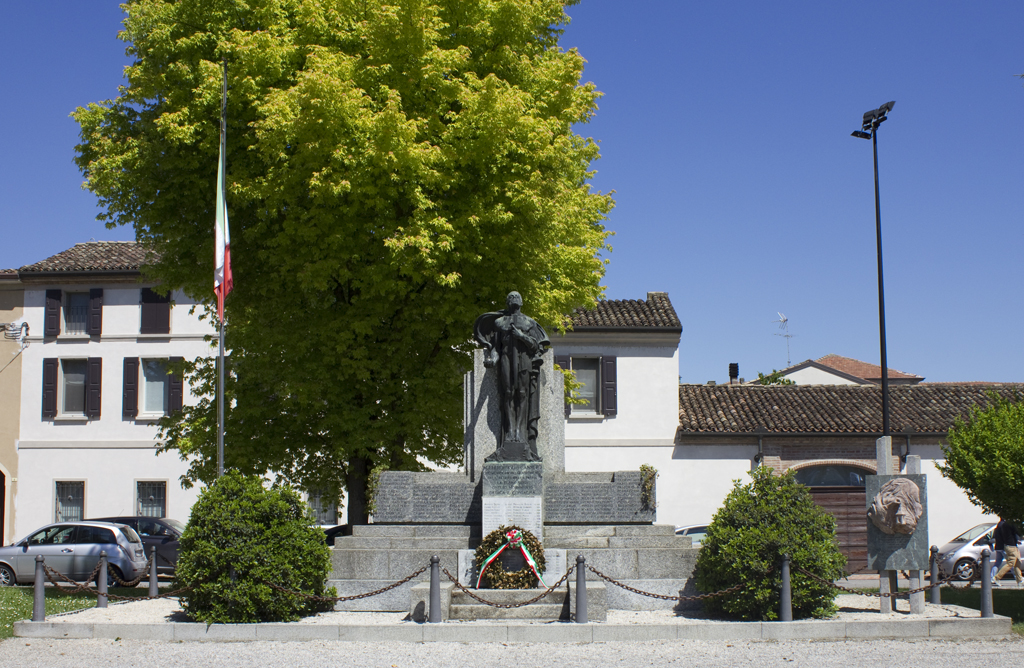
column 394, row 600
column 550, row 611
column 572, row 543
column 607, row 530
column 405, row 543
column 415, row 530
column 507, row 596
column 390, row 564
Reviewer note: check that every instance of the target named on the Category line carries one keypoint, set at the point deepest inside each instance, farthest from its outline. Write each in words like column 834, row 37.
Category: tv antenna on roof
column 784, row 326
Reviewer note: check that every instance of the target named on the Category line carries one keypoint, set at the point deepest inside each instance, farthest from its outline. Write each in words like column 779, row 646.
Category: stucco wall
column 11, row 300
column 813, row 376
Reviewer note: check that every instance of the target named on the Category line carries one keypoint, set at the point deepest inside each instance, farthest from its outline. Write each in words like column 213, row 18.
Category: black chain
column 509, row 606
column 335, row 599
column 665, row 597
column 899, row 594
column 114, row 574
column 79, row 588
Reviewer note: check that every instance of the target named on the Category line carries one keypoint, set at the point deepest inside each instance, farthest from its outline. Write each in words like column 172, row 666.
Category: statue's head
column 514, row 299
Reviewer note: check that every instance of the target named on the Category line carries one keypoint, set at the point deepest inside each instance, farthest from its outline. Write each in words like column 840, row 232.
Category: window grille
column 325, row 509
column 76, row 311
column 70, row 502
column 152, row 499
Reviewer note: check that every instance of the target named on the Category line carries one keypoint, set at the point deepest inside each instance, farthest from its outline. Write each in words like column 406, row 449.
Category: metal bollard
column 39, row 593
column 935, row 596
column 786, row 599
column 101, row 581
column 581, row 589
column 154, row 584
column 434, row 615
column 986, row 583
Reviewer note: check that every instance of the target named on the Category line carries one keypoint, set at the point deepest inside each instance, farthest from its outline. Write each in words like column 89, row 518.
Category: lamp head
column 873, row 118
column 862, row 135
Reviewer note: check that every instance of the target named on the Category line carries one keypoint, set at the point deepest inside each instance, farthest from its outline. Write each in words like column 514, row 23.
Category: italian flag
column 222, row 281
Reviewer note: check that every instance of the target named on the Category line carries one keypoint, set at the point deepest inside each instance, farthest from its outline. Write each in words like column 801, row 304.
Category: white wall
column 950, row 513
column 812, row 376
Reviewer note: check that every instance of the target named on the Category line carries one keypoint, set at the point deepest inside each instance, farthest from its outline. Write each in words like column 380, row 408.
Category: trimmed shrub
column 757, row 524
column 242, row 536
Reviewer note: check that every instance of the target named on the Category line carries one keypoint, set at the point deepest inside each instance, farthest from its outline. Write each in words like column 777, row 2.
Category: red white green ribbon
column 514, row 539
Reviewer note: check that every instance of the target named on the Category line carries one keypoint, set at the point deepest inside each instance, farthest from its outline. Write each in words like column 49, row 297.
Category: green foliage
column 496, row 577
column 242, row 536
column 572, row 387
column 16, row 603
column 985, row 456
column 773, row 378
column 648, row 475
column 372, row 485
column 393, row 171
column 758, row 523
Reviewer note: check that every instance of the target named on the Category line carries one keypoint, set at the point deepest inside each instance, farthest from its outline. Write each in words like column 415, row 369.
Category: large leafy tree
column 985, row 456
column 393, row 171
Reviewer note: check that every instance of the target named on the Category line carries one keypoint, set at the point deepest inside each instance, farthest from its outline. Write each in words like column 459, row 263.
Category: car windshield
column 972, row 533
column 175, row 524
column 130, row 534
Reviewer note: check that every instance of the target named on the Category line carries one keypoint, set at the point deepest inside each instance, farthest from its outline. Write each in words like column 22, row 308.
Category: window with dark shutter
column 51, row 320
column 93, row 384
column 156, row 313
column 609, row 404
column 50, row 387
column 563, row 362
column 130, row 396
column 94, row 323
column 175, row 395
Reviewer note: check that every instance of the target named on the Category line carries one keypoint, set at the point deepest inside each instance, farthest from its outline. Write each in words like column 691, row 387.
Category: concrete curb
column 957, row 627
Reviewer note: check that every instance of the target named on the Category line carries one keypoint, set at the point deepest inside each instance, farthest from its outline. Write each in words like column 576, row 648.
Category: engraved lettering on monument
column 522, row 511
column 514, row 347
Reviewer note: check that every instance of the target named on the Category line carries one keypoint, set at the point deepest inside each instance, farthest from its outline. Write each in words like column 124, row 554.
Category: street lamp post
column 869, row 130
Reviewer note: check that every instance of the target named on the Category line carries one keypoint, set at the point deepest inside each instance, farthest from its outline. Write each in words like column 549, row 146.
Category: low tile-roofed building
column 829, row 409
column 656, row 312
column 92, row 256
column 865, row 370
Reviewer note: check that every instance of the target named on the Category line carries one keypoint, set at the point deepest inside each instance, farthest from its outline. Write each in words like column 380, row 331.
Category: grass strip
column 1006, row 602
column 16, row 603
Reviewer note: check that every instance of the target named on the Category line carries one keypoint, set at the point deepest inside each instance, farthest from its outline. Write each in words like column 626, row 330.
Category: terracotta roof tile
column 94, row 256
column 931, row 408
column 864, row 370
column 655, row 311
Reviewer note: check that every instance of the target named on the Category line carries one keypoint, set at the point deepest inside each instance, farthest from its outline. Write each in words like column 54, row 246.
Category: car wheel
column 964, row 569
column 7, row 578
column 111, row 571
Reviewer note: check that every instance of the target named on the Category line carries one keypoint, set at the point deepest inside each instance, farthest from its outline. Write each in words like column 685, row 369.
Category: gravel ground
column 851, row 607
column 851, row 654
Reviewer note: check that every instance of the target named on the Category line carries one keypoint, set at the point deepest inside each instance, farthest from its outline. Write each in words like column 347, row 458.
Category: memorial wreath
column 510, row 538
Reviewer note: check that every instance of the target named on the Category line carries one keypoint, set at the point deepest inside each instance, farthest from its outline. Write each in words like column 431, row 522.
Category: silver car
column 73, row 549
column 961, row 557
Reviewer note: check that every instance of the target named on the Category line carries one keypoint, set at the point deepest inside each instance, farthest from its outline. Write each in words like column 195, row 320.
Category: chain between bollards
column 101, row 582
column 39, row 593
column 434, row 614
column 934, row 595
column 786, row 598
column 581, row 589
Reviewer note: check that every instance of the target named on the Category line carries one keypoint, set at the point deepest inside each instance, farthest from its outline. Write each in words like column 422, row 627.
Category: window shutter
column 609, row 405
column 50, row 387
column 176, row 390
column 564, row 362
column 156, row 313
column 94, row 323
column 93, row 381
column 130, row 396
column 51, row 320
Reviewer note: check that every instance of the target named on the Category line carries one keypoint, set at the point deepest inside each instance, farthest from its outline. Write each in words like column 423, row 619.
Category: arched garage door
column 839, row 490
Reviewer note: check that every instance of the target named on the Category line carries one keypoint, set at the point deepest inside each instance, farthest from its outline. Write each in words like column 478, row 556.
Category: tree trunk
column 358, row 471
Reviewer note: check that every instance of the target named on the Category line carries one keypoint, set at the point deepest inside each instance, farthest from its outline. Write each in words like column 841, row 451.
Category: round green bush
column 757, row 524
column 241, row 538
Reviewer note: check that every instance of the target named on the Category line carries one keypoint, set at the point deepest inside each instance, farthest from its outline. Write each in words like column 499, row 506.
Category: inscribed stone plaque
column 522, row 511
column 897, row 551
column 513, row 479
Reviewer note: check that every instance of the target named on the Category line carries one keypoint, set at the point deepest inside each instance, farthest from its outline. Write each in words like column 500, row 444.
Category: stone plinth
column 406, row 497
column 483, row 417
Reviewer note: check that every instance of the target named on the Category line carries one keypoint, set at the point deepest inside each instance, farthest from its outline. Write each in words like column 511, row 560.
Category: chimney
column 734, row 372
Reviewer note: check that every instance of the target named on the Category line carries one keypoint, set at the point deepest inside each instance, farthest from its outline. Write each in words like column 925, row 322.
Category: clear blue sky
column 725, row 132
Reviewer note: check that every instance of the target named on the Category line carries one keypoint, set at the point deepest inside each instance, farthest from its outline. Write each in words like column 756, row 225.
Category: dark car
column 156, row 532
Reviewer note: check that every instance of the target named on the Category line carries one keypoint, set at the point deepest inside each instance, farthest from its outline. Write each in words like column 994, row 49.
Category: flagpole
column 223, row 194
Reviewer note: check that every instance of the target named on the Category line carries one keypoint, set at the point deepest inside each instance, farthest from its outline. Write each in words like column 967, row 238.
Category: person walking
column 1006, row 534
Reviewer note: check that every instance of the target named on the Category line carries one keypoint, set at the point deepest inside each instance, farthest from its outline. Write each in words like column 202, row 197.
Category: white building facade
column 95, row 380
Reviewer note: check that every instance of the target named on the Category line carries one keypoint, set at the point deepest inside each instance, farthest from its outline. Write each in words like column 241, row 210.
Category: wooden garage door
column 846, row 504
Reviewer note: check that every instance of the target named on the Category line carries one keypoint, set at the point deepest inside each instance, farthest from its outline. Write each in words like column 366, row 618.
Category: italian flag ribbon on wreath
column 513, row 539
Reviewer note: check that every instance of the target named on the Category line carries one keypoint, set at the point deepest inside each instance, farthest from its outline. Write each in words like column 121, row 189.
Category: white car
column 696, row 532
column 73, row 549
